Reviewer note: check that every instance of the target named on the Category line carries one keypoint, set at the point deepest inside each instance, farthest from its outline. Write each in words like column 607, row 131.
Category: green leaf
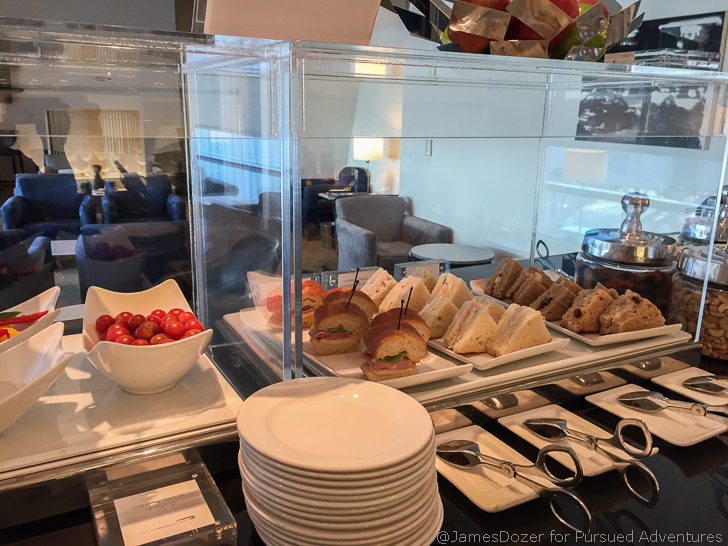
column 337, row 330
column 393, row 358
column 9, row 314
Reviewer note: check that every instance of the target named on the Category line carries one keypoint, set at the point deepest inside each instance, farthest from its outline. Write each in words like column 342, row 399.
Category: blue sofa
column 133, row 199
column 46, row 204
column 25, row 267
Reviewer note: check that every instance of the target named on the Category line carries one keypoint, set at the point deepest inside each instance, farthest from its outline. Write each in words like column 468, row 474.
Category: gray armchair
column 376, row 230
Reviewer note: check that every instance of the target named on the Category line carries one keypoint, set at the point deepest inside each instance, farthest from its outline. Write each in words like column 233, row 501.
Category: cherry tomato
column 151, row 325
column 184, row 317
column 159, row 338
column 135, row 322
column 155, row 319
column 190, row 333
column 144, row 333
column 102, row 337
column 122, row 318
column 175, row 330
column 194, row 324
column 104, row 322
column 176, row 311
column 169, row 318
column 116, row 331
column 158, row 313
column 125, row 340
column 140, row 342
column 165, row 341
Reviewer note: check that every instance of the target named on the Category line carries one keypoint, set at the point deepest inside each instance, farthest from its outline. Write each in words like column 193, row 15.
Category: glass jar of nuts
column 687, row 294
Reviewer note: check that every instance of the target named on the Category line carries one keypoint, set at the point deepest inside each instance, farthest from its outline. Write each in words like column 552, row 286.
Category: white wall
column 147, row 14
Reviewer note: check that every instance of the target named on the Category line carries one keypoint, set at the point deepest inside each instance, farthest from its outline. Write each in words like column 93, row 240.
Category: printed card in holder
column 434, row 267
column 345, row 278
column 170, row 500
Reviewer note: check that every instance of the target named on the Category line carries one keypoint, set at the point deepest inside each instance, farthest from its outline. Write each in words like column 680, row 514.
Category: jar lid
column 698, row 225
column 629, row 244
column 694, row 263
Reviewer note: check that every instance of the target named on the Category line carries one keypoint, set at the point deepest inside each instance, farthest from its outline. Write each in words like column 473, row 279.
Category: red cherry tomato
column 122, row 318
column 155, row 319
column 104, row 322
column 125, row 340
column 140, row 342
column 135, row 322
column 102, row 337
column 158, row 313
column 165, row 341
column 194, row 324
column 176, row 311
column 190, row 333
column 113, row 334
column 151, row 325
column 169, row 318
column 184, row 317
column 144, row 333
column 175, row 330
column 159, row 338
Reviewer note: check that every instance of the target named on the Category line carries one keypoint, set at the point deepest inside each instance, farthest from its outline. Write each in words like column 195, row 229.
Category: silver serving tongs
column 653, row 402
column 466, row 454
column 544, row 258
column 556, row 430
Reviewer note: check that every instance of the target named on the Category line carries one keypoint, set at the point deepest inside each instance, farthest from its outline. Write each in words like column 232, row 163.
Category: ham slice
column 320, row 334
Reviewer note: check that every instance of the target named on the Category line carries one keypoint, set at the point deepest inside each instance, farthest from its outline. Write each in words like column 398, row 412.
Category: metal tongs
column 710, row 384
column 466, row 454
column 556, row 430
column 544, row 258
column 653, row 402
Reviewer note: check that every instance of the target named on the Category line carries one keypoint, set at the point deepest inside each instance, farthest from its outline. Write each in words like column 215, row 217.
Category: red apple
column 470, row 43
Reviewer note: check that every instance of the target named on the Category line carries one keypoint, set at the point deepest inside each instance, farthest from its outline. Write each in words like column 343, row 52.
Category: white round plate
column 333, row 424
column 315, row 491
column 341, row 480
column 388, row 534
column 335, row 507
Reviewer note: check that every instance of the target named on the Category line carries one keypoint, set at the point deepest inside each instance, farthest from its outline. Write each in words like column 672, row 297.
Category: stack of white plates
column 333, row 461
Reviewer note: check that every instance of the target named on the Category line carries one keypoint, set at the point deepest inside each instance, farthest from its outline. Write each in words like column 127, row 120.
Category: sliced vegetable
column 23, row 319
column 9, row 314
column 393, row 358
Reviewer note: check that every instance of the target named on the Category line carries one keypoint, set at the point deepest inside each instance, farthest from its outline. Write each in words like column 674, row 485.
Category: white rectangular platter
column 595, row 340
column 484, row 361
column 674, row 382
column 489, row 490
column 675, row 427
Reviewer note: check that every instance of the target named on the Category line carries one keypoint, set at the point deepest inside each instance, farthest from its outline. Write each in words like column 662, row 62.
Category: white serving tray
column 674, row 381
column 432, row 368
column 45, row 301
column 595, row 340
column 676, row 427
column 484, row 361
column 83, row 416
column 489, row 490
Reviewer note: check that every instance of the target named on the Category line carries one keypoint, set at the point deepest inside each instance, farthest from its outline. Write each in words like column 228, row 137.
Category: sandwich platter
column 593, row 339
column 484, row 361
column 431, row 368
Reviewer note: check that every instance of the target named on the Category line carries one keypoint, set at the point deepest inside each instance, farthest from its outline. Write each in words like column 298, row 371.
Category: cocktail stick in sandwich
column 417, row 300
column 338, row 329
column 311, row 299
column 456, row 326
column 392, row 352
column 438, row 313
column 520, row 328
column 359, row 298
column 453, row 288
column 378, row 286
column 476, row 332
column 426, row 277
column 408, row 316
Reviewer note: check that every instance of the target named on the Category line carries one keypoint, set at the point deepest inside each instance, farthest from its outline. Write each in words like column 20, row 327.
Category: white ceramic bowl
column 147, row 369
column 28, row 370
column 45, row 301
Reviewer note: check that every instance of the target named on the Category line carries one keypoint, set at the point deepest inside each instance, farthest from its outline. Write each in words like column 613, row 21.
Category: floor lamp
column 367, row 149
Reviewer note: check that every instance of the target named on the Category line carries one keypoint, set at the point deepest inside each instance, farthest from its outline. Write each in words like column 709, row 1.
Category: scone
column 585, row 313
column 630, row 312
